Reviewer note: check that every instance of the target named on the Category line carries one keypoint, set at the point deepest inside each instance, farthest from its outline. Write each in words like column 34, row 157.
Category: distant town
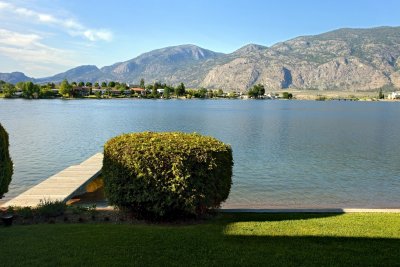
column 158, row 90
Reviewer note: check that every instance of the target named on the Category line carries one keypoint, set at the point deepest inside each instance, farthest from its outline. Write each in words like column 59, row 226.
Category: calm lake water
column 286, row 153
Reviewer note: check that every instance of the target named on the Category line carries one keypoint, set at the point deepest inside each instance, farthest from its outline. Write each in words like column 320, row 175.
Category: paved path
column 63, row 185
column 315, row 210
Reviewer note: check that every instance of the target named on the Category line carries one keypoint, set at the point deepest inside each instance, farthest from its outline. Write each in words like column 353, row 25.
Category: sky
column 45, row 37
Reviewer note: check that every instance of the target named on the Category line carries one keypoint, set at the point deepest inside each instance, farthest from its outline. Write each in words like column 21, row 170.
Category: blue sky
column 45, row 37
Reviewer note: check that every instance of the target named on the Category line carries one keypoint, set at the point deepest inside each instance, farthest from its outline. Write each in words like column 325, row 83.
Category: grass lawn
column 232, row 239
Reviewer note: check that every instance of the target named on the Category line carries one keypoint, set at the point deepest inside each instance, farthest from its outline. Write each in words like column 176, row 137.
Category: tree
column 45, row 91
column 103, row 84
column 6, row 164
column 142, row 85
column 286, row 95
column 89, row 84
column 154, row 92
column 180, row 90
column 218, row 93
column 81, row 84
column 257, row 91
column 30, row 90
column 381, row 95
column 111, row 84
column 202, row 93
column 121, row 87
column 96, row 84
column 8, row 90
column 65, row 88
column 167, row 92
column 20, row 85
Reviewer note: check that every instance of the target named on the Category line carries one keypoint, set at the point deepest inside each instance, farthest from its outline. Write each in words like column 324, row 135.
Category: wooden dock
column 62, row 186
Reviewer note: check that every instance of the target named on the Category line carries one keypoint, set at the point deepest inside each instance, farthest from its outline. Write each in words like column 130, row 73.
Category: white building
column 394, row 95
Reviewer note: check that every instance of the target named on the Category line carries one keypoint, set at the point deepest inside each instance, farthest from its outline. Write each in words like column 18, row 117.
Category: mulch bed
column 72, row 216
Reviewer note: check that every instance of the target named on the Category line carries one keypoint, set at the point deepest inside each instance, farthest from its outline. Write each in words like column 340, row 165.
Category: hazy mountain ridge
column 15, row 77
column 344, row 59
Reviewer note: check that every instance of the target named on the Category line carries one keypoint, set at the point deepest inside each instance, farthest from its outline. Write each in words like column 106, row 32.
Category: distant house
column 115, row 92
column 139, row 91
column 81, row 90
column 160, row 91
column 95, row 90
column 394, row 95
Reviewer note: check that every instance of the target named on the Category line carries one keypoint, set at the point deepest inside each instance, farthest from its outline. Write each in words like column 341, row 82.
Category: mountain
column 173, row 64
column 87, row 73
column 343, row 59
column 15, row 77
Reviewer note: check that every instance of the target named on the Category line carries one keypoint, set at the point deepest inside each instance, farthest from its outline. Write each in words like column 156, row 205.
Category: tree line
column 112, row 88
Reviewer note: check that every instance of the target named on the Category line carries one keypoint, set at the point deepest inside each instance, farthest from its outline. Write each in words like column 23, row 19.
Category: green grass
column 358, row 239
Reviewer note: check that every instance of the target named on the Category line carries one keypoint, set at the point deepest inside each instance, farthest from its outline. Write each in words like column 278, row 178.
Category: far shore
column 300, row 95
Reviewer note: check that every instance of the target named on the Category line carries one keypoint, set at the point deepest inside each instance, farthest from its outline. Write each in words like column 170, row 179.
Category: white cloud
column 73, row 27
column 17, row 39
column 4, row 5
column 28, row 49
column 47, row 18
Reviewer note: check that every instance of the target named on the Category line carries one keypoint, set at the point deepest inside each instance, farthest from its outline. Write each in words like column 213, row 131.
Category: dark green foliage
column 30, row 90
column 142, row 85
column 164, row 175
column 65, row 88
column 47, row 208
column 180, row 89
column 25, row 212
column 380, row 94
column 6, row 164
column 286, row 95
column 257, row 91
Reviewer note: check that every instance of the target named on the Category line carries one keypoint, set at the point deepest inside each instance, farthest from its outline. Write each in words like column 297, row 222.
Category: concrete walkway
column 314, row 210
column 61, row 186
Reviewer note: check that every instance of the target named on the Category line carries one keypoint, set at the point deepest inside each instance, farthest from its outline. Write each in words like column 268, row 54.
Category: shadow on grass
column 316, row 250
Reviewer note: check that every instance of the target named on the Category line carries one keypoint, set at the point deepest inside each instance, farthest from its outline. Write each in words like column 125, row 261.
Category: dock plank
column 61, row 186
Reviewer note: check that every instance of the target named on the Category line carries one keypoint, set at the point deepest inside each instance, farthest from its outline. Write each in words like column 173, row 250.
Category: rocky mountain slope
column 344, row 59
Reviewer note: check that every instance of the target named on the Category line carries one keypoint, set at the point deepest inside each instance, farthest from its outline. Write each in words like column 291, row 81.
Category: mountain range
column 343, row 59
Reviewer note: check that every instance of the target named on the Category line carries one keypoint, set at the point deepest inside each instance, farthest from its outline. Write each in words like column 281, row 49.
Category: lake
column 286, row 153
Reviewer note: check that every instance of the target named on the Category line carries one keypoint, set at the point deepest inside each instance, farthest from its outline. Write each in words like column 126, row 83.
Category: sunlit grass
column 345, row 225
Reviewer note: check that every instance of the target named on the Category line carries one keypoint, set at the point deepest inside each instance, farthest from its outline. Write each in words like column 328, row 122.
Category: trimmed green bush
column 165, row 175
column 6, row 164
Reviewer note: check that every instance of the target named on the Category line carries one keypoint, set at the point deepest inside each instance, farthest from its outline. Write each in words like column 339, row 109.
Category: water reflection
column 287, row 153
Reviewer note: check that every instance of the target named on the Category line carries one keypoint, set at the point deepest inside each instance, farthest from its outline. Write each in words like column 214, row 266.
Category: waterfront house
column 139, row 91
column 81, row 91
column 394, row 95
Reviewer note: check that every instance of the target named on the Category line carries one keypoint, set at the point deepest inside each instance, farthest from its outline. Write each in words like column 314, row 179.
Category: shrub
column 6, row 164
column 164, row 175
column 25, row 212
column 48, row 208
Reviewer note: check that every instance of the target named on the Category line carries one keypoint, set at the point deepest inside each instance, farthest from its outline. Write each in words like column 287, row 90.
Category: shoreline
column 257, row 208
